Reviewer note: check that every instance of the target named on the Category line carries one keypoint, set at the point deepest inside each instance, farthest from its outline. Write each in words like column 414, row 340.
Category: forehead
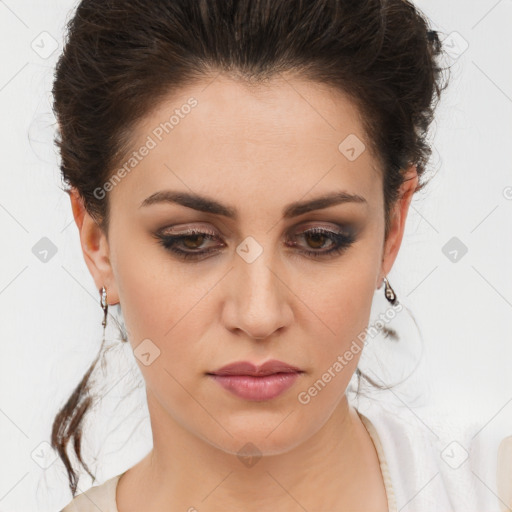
column 224, row 137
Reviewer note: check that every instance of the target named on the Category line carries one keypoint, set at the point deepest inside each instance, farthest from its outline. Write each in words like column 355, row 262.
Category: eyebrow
column 209, row 205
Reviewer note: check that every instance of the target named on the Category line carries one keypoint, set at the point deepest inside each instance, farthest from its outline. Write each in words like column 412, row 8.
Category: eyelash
column 341, row 242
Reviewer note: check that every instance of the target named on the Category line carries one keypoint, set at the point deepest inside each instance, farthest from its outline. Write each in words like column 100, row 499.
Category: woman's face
column 257, row 283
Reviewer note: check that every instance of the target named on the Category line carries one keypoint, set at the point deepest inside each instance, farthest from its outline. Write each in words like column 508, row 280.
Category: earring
column 104, row 305
column 389, row 292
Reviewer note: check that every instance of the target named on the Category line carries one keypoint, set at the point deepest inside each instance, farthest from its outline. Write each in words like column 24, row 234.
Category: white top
column 422, row 471
column 433, row 464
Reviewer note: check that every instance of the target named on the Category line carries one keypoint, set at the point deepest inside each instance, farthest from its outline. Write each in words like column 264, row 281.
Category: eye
column 192, row 240
column 338, row 241
column 190, row 244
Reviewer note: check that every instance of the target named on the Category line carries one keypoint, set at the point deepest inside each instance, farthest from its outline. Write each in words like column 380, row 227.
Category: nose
column 258, row 297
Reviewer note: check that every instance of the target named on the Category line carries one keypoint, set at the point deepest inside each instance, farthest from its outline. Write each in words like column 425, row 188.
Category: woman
column 240, row 173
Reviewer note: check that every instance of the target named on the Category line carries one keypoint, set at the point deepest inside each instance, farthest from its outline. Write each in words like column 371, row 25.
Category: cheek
column 346, row 319
column 162, row 302
column 342, row 306
column 342, row 296
column 151, row 295
column 158, row 312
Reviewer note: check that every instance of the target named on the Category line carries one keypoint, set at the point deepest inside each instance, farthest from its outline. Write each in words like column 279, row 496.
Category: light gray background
column 51, row 320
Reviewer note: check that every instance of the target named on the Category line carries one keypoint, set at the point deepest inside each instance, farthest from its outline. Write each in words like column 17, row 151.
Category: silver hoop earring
column 389, row 292
column 104, row 305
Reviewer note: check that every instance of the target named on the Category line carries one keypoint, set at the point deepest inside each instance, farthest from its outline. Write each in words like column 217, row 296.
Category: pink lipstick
column 257, row 383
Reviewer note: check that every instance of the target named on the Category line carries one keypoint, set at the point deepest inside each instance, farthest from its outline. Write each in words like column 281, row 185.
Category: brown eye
column 317, row 237
column 316, row 240
column 191, row 242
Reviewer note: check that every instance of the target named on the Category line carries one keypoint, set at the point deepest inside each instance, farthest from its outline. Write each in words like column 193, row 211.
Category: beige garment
column 504, row 474
column 103, row 497
column 392, row 507
column 100, row 498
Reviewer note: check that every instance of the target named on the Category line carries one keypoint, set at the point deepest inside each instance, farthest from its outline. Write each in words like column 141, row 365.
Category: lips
column 247, row 368
column 256, row 383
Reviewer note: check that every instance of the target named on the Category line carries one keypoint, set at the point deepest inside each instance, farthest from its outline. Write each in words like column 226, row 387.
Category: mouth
column 257, row 383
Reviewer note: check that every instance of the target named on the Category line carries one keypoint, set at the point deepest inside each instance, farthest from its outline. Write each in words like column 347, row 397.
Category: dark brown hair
column 122, row 57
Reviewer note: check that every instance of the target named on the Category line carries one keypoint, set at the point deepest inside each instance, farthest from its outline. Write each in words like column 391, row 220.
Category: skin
column 256, row 149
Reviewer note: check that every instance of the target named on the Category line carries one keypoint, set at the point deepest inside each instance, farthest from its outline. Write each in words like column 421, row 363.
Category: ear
column 95, row 247
column 398, row 216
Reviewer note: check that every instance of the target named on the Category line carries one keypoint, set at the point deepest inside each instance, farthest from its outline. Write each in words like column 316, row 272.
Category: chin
column 259, row 438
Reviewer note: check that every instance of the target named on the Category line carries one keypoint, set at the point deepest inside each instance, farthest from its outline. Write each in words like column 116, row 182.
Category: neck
column 328, row 471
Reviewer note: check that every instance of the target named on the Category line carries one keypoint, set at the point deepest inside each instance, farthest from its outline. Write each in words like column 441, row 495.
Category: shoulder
column 433, row 460
column 99, row 497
